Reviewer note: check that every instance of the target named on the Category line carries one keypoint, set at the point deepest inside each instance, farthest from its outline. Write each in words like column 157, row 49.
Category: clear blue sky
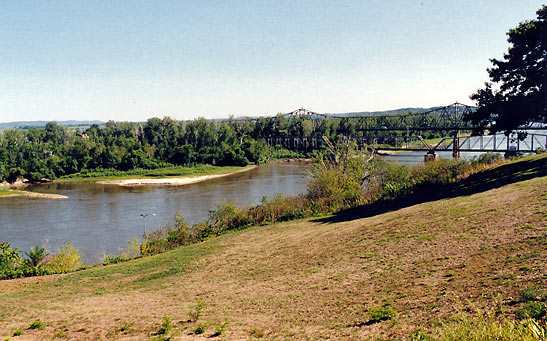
column 132, row 60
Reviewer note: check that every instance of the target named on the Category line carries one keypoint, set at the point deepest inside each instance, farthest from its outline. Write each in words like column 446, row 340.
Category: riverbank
column 139, row 173
column 32, row 195
column 171, row 181
column 381, row 272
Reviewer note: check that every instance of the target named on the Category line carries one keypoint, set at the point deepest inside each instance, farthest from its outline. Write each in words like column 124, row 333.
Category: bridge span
column 498, row 143
column 387, row 132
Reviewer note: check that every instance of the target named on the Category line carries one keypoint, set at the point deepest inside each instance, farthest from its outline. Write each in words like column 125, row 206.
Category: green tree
column 516, row 95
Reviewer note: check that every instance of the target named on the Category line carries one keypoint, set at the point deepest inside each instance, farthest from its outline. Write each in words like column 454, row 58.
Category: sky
column 131, row 60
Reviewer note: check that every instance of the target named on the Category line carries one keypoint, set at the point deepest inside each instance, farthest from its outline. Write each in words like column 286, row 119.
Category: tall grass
column 485, row 327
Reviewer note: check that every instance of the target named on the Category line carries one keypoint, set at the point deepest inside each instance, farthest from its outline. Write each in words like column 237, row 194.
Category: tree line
column 59, row 151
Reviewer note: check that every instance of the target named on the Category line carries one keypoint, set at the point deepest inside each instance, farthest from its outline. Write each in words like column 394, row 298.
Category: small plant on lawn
column 60, row 335
column 535, row 310
column 256, row 332
column 200, row 329
column 220, row 329
column 165, row 326
column 18, row 332
column 37, row 325
column 418, row 335
column 530, row 293
column 196, row 313
column 126, row 327
column 383, row 313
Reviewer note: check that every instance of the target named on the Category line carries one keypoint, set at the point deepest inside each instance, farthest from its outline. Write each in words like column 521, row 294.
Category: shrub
column 34, row 176
column 338, row 177
column 10, row 261
column 68, row 259
column 440, row 172
column 36, row 255
column 383, row 313
column 180, row 234
column 133, row 250
column 226, row 217
column 110, row 259
column 388, row 180
column 486, row 159
column 15, row 174
column 37, row 325
column 279, row 208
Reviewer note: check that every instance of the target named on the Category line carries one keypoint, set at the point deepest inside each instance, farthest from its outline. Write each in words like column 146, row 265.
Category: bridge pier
column 456, row 145
column 431, row 156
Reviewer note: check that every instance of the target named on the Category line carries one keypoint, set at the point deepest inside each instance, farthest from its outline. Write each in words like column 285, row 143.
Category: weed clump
column 535, row 310
column 200, row 329
column 165, row 326
column 531, row 293
column 196, row 313
column 37, row 325
column 219, row 330
column 256, row 332
column 382, row 313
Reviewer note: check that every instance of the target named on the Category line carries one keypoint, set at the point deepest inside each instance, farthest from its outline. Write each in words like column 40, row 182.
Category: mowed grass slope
column 314, row 278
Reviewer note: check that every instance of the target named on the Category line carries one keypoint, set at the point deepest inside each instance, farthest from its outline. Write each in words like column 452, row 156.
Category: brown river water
column 99, row 219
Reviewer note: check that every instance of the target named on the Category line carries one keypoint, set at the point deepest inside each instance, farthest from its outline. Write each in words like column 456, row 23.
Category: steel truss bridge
column 450, row 117
column 380, row 132
column 482, row 143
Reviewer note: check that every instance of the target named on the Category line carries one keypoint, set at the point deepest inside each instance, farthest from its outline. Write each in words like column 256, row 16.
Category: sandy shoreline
column 175, row 181
column 35, row 195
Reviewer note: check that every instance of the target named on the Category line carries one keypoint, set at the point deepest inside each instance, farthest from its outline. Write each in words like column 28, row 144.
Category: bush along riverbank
column 343, row 178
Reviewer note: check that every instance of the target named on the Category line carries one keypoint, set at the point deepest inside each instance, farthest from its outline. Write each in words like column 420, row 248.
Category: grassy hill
column 418, row 263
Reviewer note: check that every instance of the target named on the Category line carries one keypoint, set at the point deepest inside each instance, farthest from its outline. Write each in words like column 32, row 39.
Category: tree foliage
column 516, row 94
column 58, row 151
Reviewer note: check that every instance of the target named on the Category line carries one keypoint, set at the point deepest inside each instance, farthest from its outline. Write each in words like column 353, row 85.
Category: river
column 99, row 219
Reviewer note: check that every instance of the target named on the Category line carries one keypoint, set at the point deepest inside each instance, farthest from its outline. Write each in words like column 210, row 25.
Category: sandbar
column 35, row 195
column 174, row 181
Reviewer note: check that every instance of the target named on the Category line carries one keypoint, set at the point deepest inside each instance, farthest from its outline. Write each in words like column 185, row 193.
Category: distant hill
column 80, row 124
column 42, row 124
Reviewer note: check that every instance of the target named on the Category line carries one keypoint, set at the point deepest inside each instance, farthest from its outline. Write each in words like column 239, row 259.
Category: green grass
column 165, row 172
column 4, row 191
